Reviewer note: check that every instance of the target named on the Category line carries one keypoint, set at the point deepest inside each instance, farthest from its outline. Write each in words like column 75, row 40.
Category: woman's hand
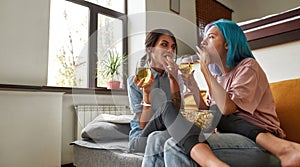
column 203, row 56
column 146, row 87
column 190, row 82
column 171, row 67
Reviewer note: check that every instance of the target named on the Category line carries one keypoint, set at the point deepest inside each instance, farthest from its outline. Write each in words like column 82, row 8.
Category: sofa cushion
column 107, row 127
column 286, row 95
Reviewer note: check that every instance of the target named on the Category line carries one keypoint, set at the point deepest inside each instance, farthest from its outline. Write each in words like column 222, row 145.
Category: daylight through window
column 83, row 35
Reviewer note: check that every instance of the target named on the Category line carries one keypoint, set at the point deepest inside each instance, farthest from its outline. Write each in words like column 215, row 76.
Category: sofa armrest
column 286, row 96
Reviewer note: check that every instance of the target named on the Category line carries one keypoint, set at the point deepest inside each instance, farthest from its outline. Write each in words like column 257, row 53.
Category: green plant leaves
column 112, row 64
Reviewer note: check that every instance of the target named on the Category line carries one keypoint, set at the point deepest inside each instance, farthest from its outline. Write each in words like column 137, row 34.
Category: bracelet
column 146, row 104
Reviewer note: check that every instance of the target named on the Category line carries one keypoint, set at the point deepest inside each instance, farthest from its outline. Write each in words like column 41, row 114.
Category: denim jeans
column 234, row 149
column 154, row 152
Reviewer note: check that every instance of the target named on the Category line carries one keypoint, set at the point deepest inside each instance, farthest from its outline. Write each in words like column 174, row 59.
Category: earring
column 226, row 45
column 148, row 50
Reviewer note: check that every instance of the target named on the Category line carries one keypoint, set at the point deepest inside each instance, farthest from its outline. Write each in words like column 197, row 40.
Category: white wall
column 187, row 8
column 183, row 25
column 280, row 62
column 24, row 41
column 30, row 125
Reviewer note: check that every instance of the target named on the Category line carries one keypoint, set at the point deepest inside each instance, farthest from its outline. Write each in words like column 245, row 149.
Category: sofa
column 88, row 153
column 286, row 96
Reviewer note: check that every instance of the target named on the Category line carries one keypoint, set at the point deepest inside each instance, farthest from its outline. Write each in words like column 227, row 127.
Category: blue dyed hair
column 238, row 47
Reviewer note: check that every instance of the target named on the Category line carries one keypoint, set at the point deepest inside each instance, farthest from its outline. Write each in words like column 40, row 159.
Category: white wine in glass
column 186, row 65
column 186, row 68
column 143, row 71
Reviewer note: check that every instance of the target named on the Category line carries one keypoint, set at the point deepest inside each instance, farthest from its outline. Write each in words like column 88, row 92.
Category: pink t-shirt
column 249, row 89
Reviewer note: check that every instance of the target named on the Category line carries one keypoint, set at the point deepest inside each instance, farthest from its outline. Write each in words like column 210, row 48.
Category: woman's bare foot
column 287, row 151
column 290, row 156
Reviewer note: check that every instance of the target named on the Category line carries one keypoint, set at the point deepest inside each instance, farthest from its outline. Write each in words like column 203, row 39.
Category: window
column 116, row 5
column 81, row 35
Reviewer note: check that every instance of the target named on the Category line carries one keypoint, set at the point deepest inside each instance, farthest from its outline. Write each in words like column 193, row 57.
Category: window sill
column 104, row 91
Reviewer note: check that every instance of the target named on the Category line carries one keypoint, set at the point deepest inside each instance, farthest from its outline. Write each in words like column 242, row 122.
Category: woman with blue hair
column 240, row 92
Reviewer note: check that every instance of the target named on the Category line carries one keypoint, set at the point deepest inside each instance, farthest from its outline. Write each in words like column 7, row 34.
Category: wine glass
column 201, row 33
column 186, row 66
column 143, row 70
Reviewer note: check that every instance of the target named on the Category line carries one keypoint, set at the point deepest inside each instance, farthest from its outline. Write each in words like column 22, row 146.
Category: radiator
column 87, row 113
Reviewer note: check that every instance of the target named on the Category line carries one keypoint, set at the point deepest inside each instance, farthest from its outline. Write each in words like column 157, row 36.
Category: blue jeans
column 154, row 152
column 234, row 149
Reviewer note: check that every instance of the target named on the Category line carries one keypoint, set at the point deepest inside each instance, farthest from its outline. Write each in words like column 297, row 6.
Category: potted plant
column 110, row 68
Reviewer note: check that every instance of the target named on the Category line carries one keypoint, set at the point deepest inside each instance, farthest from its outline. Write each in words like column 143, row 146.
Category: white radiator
column 87, row 113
